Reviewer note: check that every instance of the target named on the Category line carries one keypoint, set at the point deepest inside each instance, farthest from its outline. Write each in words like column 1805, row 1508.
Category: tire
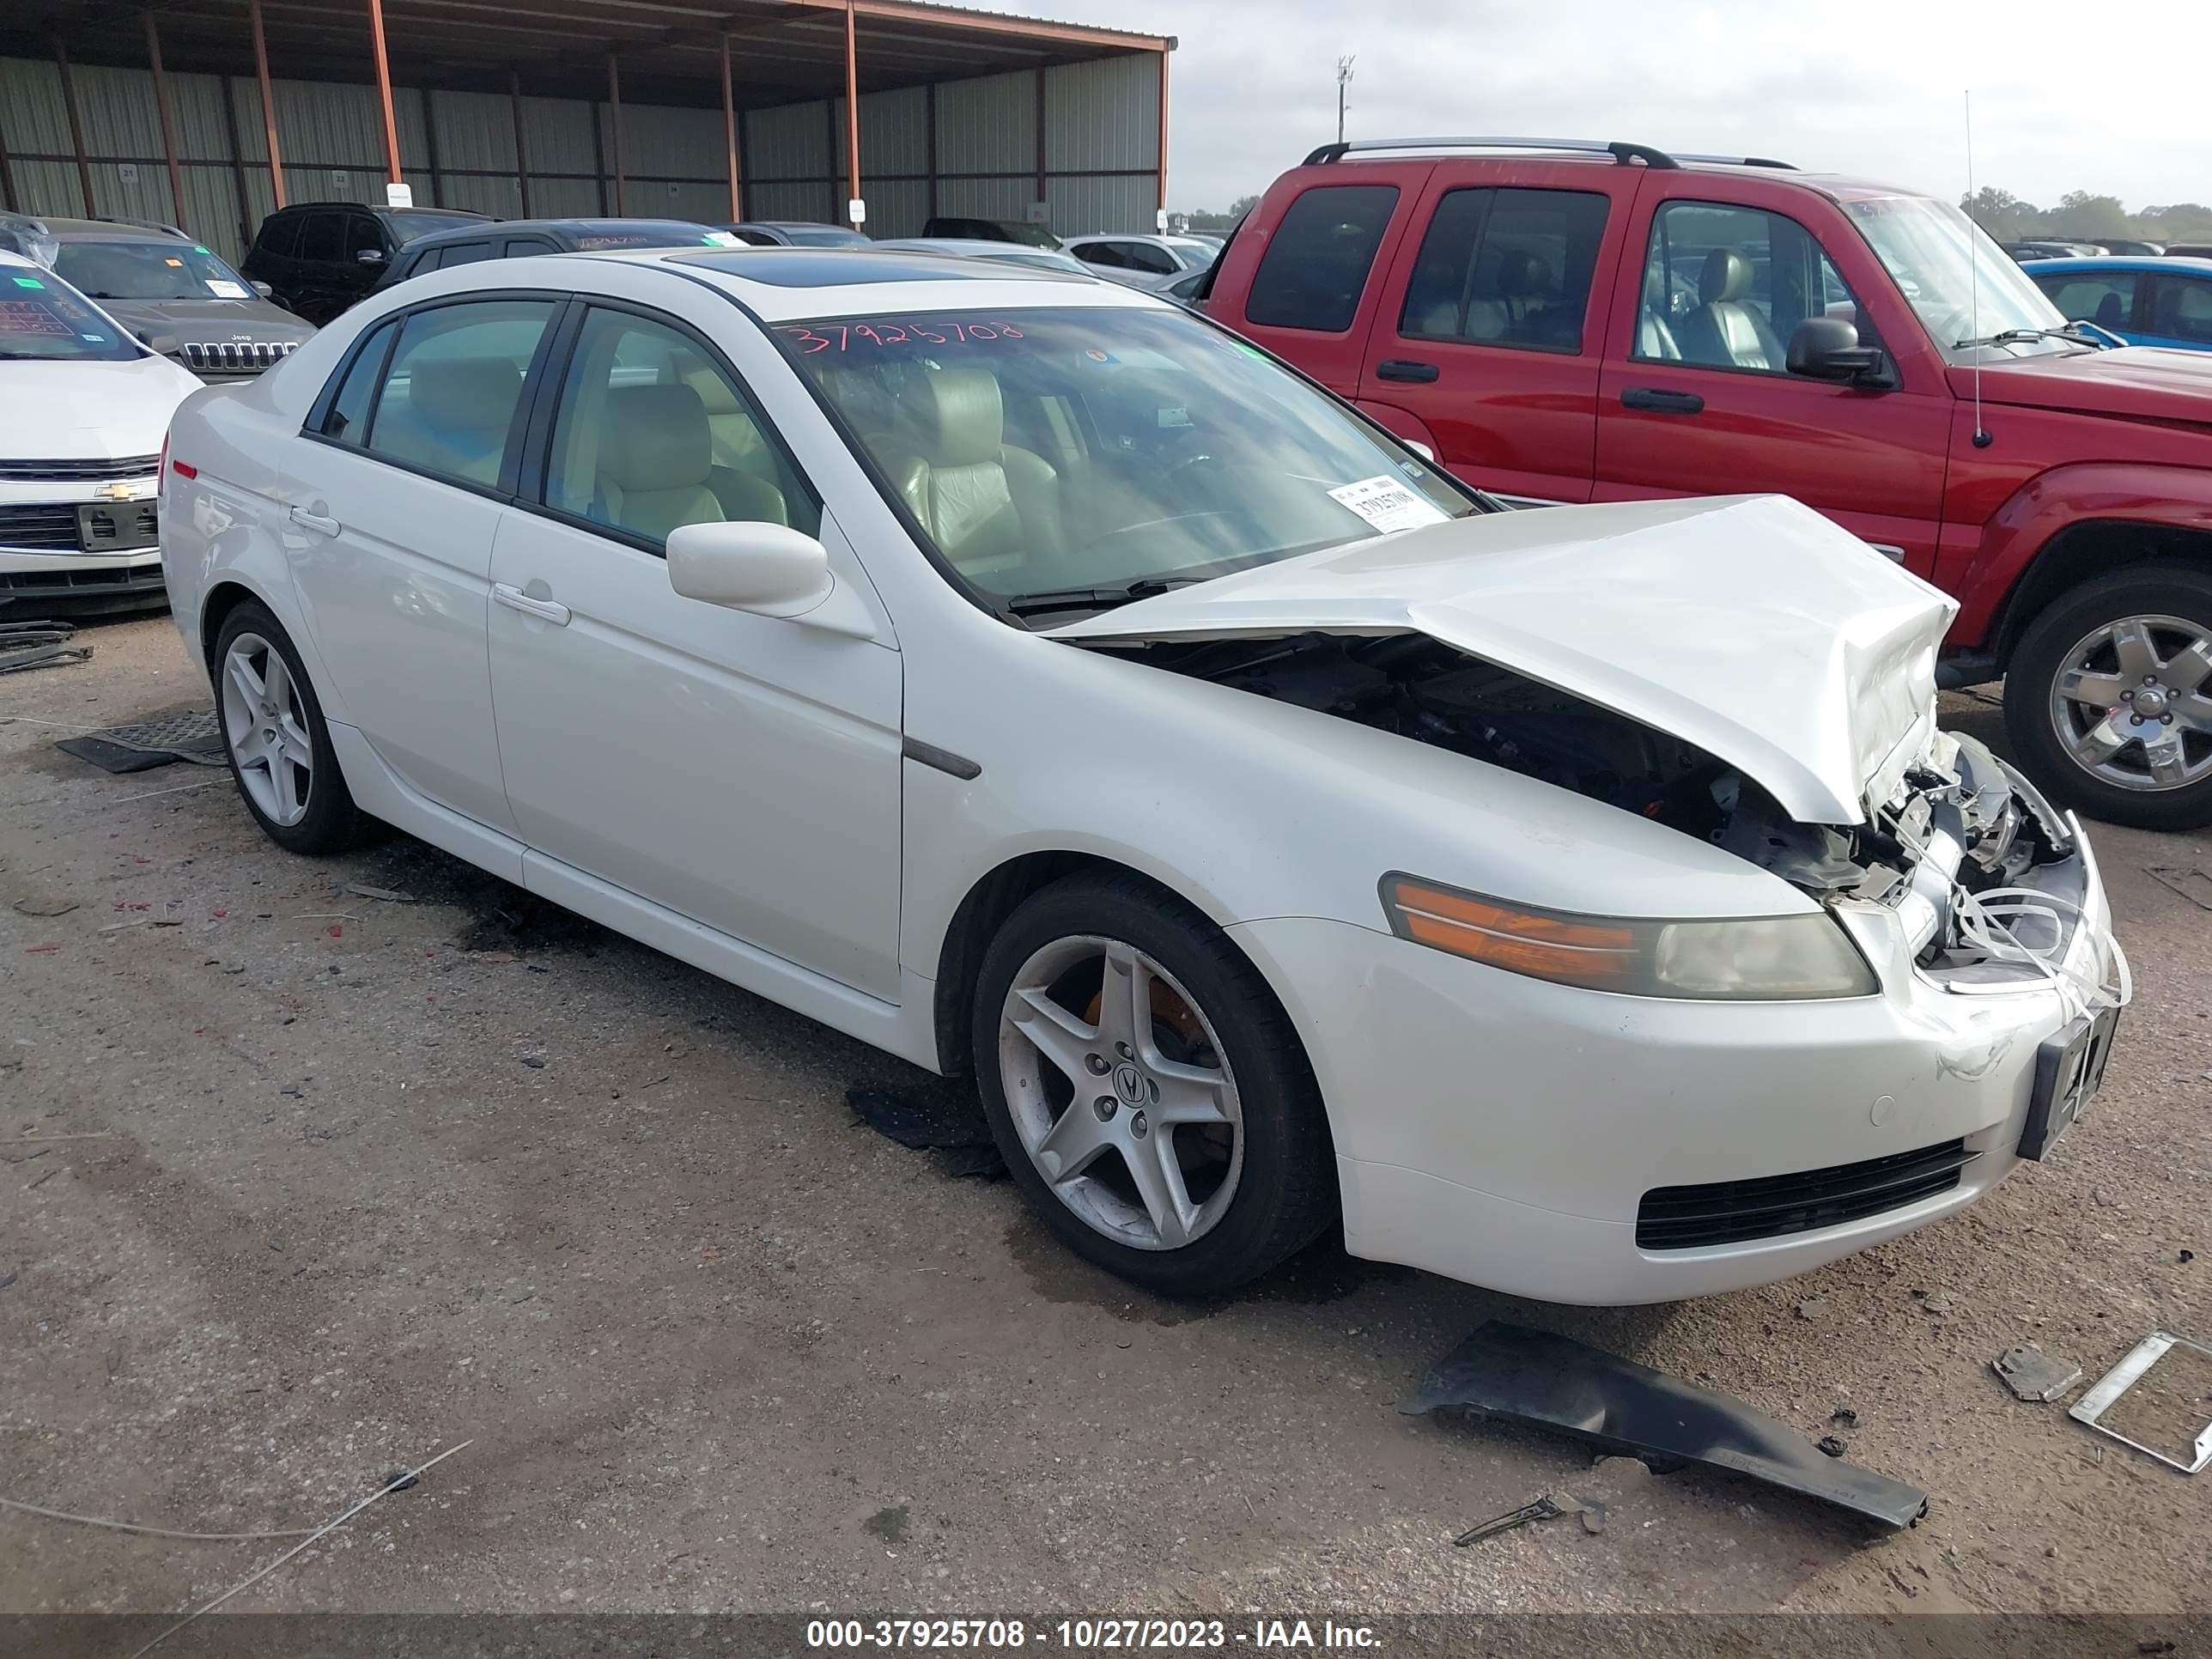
column 2071, row 643
column 317, row 815
column 1260, row 1184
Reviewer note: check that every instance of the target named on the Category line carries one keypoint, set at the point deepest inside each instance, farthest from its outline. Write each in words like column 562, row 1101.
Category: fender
column 2179, row 497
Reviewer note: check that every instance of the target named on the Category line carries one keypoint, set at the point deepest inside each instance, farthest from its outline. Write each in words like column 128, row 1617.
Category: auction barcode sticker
column 1388, row 504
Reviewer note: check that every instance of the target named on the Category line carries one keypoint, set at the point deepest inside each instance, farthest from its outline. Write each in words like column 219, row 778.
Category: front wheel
column 1147, row 1089
column 2108, row 697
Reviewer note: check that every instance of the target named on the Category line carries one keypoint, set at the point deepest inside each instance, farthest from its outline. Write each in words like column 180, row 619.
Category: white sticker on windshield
column 1388, row 504
column 223, row 288
column 722, row 239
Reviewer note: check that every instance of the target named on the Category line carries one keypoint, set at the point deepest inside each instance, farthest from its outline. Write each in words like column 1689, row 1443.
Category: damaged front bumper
column 1529, row 1137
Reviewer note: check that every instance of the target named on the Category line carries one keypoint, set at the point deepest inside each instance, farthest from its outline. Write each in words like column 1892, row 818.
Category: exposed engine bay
column 1957, row 820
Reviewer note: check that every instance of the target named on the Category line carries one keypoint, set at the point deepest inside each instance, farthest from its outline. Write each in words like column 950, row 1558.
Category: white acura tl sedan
column 1033, row 679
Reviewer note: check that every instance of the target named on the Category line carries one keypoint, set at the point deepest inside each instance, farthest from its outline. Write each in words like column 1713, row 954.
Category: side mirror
column 263, row 289
column 163, row 345
column 1828, row 349
column 765, row 569
column 369, row 256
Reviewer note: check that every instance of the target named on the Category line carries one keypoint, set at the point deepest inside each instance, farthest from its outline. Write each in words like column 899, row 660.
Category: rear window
column 1506, row 267
column 1316, row 264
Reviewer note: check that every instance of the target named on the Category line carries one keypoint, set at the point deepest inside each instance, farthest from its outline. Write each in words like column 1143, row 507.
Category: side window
column 363, row 234
column 1101, row 253
column 652, row 435
column 347, row 419
column 2107, row 298
column 2183, row 309
column 1143, row 256
column 462, row 253
column 1316, row 264
column 1507, row 267
column 322, row 236
column 519, row 247
column 449, row 397
column 280, row 238
column 1724, row 287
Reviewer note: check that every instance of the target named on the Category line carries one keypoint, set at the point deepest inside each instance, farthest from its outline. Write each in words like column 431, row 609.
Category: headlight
column 1753, row 959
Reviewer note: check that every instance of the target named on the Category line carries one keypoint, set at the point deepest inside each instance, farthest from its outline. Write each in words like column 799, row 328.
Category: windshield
column 406, row 227
column 1049, row 450
column 44, row 319
column 823, row 236
column 148, row 271
column 1959, row 294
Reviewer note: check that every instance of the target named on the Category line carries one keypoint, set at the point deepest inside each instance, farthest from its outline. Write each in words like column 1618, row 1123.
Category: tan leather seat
column 1726, row 330
column 455, row 418
column 657, row 469
column 983, row 501
column 1655, row 340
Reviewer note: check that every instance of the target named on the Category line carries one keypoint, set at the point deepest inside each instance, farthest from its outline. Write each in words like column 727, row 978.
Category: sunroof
column 793, row 267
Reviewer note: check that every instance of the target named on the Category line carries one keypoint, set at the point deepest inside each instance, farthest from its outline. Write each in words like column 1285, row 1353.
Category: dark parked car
column 319, row 258
column 2189, row 249
column 514, row 239
column 989, row 230
column 2024, row 252
column 795, row 232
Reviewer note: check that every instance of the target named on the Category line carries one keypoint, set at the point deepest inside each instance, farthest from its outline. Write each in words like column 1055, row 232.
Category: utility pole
column 1343, row 80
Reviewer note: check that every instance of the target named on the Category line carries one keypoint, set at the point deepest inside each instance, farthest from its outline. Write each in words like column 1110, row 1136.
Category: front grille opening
column 1773, row 1206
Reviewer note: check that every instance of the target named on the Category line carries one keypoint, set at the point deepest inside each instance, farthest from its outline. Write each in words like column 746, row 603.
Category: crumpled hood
column 88, row 410
column 2140, row 383
column 1749, row 626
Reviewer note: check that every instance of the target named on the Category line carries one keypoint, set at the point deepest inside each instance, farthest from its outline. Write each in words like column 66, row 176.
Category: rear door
column 1300, row 275
column 1696, row 398
column 1486, row 344
column 393, row 489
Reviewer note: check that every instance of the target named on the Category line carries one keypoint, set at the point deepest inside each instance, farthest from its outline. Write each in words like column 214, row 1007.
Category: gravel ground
column 370, row 1178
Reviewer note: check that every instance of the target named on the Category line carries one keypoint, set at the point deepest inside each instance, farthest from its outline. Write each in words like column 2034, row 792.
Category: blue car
column 2146, row 302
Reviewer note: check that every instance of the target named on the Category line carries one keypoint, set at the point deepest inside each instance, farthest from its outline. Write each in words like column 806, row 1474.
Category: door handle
column 314, row 521
column 1659, row 401
column 1405, row 368
column 545, row 609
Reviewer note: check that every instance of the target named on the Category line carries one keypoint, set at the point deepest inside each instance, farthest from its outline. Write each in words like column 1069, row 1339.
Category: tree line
column 2083, row 216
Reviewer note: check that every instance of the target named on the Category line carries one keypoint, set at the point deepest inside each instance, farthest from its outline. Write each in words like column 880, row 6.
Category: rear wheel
column 2108, row 697
column 274, row 736
column 1146, row 1089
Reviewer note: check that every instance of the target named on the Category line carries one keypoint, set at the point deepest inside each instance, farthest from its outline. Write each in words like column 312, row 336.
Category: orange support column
column 852, row 110
column 730, row 132
column 268, row 102
column 168, row 121
column 384, row 91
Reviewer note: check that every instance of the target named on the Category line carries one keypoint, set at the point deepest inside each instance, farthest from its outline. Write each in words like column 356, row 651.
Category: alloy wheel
column 2130, row 703
column 1118, row 1087
column 267, row 726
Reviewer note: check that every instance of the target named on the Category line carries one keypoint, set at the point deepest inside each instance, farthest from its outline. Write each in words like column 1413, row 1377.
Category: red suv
column 1575, row 321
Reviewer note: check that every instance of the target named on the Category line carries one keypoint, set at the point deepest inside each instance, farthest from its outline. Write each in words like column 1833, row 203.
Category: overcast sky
column 1869, row 87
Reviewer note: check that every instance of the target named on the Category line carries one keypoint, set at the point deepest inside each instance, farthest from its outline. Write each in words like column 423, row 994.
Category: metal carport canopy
column 782, row 50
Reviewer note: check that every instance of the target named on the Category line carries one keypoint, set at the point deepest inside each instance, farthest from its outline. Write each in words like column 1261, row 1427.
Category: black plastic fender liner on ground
column 1550, row 1382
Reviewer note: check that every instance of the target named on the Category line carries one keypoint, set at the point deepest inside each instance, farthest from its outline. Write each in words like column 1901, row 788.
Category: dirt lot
column 372, row 1177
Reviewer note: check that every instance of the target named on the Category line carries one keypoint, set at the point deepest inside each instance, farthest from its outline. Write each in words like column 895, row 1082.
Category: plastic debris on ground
column 25, row 645
column 1545, row 1381
column 956, row 1136
column 2034, row 1375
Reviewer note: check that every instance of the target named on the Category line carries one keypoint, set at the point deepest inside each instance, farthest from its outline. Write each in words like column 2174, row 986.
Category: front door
column 1696, row 398
column 391, row 497
column 740, row 770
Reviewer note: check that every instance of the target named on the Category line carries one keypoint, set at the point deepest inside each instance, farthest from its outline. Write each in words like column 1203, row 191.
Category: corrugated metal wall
column 1098, row 152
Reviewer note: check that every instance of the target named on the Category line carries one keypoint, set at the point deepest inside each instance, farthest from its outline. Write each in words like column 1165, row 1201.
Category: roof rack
column 145, row 224
column 1625, row 155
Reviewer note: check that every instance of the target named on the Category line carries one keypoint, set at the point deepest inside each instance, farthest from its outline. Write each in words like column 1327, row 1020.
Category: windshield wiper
column 1095, row 599
column 2031, row 336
